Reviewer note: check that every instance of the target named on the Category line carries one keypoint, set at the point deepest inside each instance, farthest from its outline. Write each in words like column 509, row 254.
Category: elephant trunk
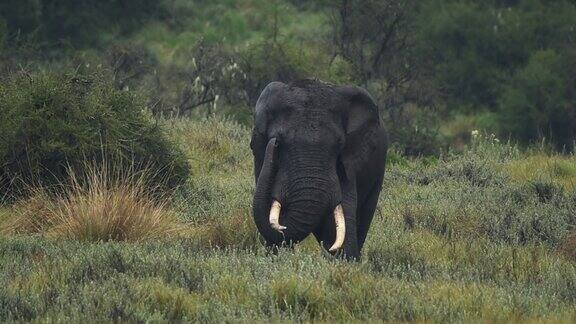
column 307, row 199
column 265, row 209
column 262, row 195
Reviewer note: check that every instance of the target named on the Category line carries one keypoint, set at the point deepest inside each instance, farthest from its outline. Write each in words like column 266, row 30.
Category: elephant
column 319, row 159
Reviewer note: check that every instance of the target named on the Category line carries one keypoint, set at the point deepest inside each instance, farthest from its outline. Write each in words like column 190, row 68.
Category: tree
column 378, row 38
column 375, row 36
column 540, row 102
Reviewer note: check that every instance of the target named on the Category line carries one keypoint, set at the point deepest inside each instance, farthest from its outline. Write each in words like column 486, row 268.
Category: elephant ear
column 268, row 99
column 361, row 123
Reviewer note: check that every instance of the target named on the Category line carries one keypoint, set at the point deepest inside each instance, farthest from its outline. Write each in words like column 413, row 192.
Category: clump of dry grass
column 31, row 215
column 103, row 205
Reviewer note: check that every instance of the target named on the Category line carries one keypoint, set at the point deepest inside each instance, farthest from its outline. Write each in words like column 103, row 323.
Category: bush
column 468, row 56
column 51, row 123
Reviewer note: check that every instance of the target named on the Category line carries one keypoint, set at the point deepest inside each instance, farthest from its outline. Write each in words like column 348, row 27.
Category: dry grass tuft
column 102, row 206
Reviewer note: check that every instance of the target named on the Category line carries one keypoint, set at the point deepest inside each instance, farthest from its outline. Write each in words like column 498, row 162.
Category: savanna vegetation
column 126, row 176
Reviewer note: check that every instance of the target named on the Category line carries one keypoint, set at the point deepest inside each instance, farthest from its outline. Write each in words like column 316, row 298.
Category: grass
column 4, row 214
column 556, row 168
column 180, row 280
column 465, row 238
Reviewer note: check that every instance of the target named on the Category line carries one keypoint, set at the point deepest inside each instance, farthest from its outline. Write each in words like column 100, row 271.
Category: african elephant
column 319, row 155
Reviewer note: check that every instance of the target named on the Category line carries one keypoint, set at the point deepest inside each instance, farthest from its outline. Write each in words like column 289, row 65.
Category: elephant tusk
column 340, row 228
column 275, row 216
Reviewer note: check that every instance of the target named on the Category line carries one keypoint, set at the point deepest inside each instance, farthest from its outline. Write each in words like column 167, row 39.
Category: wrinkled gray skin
column 315, row 146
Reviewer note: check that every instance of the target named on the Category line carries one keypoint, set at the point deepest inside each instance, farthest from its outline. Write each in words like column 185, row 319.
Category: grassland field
column 487, row 234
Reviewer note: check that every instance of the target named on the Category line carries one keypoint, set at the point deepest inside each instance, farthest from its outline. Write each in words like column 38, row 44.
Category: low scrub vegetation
column 459, row 238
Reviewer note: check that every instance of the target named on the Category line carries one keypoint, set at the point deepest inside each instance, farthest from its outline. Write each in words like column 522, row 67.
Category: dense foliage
column 505, row 66
column 514, row 58
column 51, row 124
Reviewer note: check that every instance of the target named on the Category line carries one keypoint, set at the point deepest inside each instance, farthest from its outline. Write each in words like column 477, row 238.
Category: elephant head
column 308, row 141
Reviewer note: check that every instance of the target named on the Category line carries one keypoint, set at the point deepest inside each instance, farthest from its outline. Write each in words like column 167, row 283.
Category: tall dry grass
column 106, row 203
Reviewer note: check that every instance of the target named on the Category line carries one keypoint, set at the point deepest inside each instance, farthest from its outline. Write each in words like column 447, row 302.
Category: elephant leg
column 366, row 212
column 349, row 204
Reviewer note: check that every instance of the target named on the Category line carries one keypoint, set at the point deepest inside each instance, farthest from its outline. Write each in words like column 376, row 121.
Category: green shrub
column 475, row 46
column 53, row 122
column 409, row 276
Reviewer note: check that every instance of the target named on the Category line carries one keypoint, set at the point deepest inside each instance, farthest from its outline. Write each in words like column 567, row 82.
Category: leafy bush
column 52, row 122
column 409, row 276
column 475, row 46
column 468, row 54
column 511, row 58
